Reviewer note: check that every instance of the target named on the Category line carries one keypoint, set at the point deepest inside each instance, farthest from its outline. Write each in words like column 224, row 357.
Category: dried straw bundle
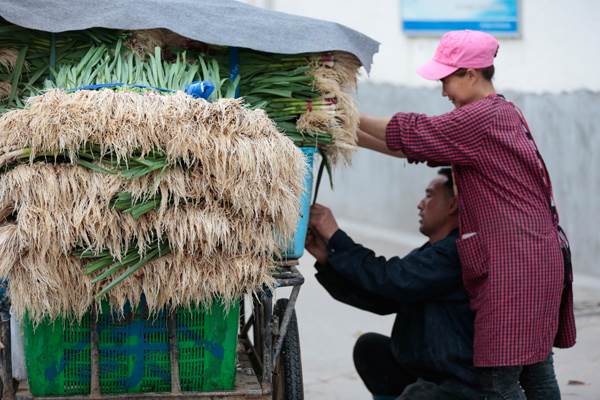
column 5, row 88
column 8, row 59
column 233, row 181
column 144, row 41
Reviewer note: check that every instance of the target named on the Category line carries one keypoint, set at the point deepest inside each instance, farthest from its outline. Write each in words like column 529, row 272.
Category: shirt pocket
column 474, row 260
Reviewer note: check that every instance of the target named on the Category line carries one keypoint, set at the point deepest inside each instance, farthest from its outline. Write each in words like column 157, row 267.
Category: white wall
column 559, row 49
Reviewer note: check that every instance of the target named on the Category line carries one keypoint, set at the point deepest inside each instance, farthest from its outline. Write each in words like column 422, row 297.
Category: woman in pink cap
column 510, row 246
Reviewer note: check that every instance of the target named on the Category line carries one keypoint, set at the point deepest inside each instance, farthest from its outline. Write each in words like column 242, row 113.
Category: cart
column 268, row 352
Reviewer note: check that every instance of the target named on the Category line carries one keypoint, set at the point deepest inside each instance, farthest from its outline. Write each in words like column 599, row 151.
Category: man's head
column 438, row 210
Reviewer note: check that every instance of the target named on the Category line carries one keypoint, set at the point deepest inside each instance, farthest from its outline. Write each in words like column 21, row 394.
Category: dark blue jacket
column 433, row 330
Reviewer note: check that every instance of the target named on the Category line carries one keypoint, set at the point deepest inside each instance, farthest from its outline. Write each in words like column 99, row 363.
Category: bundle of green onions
column 104, row 265
column 95, row 159
column 27, row 56
column 285, row 89
column 231, row 181
column 101, row 65
column 307, row 95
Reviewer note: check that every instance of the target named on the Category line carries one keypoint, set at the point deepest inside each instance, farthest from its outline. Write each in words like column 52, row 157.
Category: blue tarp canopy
column 218, row 22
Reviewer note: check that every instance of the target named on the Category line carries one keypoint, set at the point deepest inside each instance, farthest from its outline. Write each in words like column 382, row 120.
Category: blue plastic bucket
column 295, row 248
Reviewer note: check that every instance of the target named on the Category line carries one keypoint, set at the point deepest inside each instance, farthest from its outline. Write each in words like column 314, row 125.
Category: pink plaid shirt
column 509, row 245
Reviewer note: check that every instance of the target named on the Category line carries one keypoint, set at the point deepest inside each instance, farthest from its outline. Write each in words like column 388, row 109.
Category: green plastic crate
column 134, row 353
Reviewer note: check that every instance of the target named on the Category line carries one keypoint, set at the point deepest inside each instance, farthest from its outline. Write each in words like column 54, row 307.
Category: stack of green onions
column 33, row 61
column 94, row 62
column 92, row 157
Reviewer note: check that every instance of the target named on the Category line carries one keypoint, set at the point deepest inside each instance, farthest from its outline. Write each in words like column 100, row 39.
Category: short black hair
column 487, row 72
column 449, row 184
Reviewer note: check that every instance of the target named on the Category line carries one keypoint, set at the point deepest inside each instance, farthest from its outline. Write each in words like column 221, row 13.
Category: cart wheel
column 287, row 377
column 15, row 383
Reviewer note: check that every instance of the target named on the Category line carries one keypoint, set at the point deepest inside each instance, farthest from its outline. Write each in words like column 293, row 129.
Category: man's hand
column 322, row 222
column 316, row 246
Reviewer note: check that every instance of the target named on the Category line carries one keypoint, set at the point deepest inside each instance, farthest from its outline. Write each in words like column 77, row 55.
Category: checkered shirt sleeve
column 451, row 138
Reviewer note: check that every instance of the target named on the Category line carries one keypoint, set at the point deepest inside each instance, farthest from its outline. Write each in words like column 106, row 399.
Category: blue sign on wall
column 434, row 17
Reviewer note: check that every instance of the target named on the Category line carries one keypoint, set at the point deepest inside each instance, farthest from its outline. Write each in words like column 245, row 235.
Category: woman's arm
column 372, row 143
column 374, row 126
column 451, row 138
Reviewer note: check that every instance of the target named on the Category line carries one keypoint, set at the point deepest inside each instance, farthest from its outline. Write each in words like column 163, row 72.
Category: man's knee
column 364, row 348
column 377, row 367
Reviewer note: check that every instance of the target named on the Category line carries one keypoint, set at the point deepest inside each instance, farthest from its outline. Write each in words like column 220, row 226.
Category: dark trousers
column 530, row 382
column 386, row 378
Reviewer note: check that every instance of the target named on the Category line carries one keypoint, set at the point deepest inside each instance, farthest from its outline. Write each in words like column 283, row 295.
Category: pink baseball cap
column 460, row 49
